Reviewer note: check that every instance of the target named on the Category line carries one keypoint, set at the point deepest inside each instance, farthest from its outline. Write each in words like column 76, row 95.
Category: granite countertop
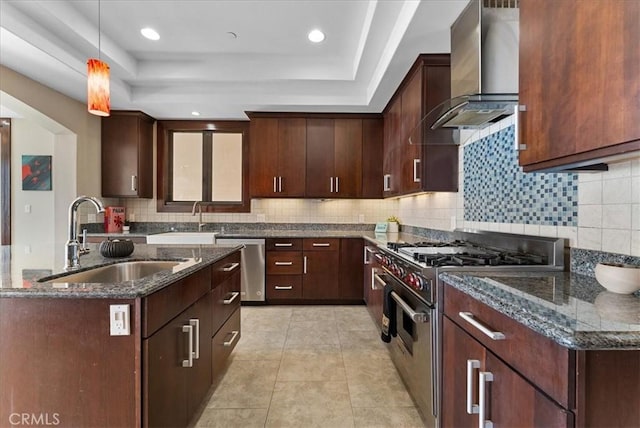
column 257, row 234
column 573, row 310
column 20, row 271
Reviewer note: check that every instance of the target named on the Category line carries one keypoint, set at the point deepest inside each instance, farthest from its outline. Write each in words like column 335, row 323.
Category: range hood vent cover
column 484, row 67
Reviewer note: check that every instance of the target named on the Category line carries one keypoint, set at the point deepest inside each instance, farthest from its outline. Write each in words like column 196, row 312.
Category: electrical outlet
column 27, row 209
column 360, row 218
column 261, row 218
column 132, row 217
column 119, row 320
column 453, row 222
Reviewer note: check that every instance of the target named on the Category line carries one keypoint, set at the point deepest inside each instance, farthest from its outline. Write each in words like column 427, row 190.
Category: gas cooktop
column 463, row 253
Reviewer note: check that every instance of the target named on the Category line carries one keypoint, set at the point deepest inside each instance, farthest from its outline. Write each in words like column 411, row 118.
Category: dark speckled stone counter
column 572, row 309
column 20, row 271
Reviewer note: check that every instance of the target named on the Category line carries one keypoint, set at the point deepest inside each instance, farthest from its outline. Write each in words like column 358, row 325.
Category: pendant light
column 98, row 97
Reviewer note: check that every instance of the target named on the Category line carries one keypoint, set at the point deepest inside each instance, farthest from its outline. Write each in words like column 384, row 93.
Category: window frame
column 163, row 192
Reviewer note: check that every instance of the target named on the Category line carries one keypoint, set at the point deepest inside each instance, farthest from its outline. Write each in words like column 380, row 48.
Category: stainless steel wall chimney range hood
column 484, row 67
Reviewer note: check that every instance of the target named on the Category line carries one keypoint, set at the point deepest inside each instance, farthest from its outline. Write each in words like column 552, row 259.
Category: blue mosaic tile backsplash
column 497, row 191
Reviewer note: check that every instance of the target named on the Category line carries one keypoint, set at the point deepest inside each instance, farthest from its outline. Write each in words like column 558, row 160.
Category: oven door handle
column 415, row 316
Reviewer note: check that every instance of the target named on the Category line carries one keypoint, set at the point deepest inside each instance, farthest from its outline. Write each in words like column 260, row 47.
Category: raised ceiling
column 198, row 64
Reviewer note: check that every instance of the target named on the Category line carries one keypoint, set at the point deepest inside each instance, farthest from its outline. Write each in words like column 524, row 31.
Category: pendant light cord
column 99, row 33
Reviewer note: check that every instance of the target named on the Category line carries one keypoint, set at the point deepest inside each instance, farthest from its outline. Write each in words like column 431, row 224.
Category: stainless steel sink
column 119, row 272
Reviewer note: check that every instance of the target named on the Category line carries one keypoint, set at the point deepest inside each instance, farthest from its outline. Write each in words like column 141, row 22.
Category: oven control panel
column 409, row 275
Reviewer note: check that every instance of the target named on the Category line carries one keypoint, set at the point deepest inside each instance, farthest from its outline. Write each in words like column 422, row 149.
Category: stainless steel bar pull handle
column 376, row 278
column 337, row 184
column 134, row 183
column 196, row 325
column 234, row 336
column 280, row 184
column 283, row 287
column 471, row 366
column 415, row 316
column 321, row 244
column 469, row 317
column 416, row 162
column 275, row 187
column 331, row 184
column 233, row 297
column 284, row 244
column 283, row 263
column 304, row 269
column 231, row 267
column 367, row 252
column 386, row 186
column 189, row 361
column 483, row 422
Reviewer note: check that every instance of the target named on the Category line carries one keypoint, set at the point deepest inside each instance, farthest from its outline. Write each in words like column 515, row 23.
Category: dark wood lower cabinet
column 509, row 400
column 321, row 275
column 314, row 270
column 529, row 382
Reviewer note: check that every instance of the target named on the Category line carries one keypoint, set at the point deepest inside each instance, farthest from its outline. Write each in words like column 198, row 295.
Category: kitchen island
column 62, row 363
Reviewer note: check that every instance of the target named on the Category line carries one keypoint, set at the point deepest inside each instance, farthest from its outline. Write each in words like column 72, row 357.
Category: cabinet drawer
column 224, row 268
column 321, row 244
column 548, row 366
column 223, row 343
column 284, row 244
column 165, row 304
column 284, row 287
column 284, row 263
column 226, row 299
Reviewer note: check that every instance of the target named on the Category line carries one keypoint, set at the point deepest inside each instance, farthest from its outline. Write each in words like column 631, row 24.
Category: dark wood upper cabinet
column 579, row 85
column 127, row 155
column 316, row 155
column 372, row 146
column 320, row 158
column 418, row 159
column 334, row 158
column 277, row 157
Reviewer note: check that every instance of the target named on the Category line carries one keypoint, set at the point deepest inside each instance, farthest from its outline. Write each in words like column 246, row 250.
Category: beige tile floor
column 310, row 366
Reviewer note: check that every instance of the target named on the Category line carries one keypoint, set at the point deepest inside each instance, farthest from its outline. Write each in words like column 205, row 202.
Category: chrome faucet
column 193, row 212
column 73, row 250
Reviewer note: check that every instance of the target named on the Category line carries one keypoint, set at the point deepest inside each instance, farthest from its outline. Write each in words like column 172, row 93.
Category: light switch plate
column 119, row 320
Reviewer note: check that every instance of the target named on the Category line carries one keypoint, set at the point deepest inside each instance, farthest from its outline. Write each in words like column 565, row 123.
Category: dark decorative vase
column 116, row 248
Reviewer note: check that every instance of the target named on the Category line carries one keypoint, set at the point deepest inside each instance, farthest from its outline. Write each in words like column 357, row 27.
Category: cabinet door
column 291, row 157
column 457, row 349
column 348, row 158
column 411, row 114
column 581, row 96
column 199, row 376
column 164, row 380
column 127, row 155
column 263, row 157
column 320, row 158
column 351, row 262
column 320, row 278
column 392, row 162
column 514, row 402
column 372, row 158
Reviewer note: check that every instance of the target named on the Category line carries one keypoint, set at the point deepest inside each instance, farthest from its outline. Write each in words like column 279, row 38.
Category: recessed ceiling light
column 150, row 33
column 316, row 36
column 195, row 113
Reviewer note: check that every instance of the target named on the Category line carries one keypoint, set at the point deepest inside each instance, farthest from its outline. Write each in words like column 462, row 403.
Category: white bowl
column 619, row 278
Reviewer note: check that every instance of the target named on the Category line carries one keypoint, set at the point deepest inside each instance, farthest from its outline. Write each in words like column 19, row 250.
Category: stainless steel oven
column 413, row 347
column 412, row 269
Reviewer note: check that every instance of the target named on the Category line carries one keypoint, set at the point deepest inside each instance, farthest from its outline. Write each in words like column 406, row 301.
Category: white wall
column 38, row 226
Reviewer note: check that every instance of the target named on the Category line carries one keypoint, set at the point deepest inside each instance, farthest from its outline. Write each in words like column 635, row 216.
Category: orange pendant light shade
column 98, row 101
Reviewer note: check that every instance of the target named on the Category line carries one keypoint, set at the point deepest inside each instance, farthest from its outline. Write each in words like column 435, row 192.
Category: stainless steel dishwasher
column 252, row 262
